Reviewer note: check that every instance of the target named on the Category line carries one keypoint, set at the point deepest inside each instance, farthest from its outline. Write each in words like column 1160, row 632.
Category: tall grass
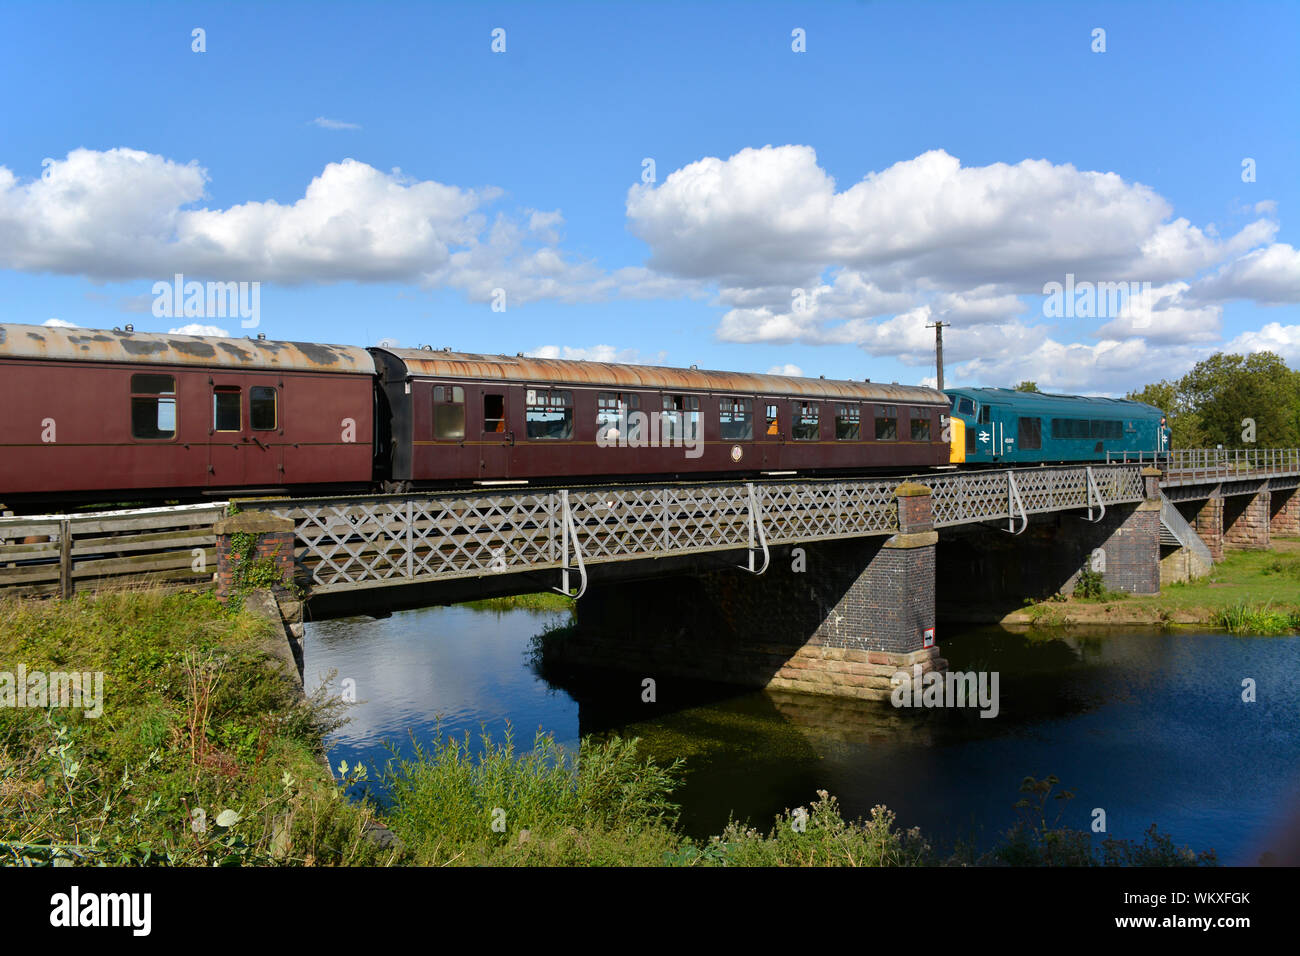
column 607, row 805
column 1245, row 618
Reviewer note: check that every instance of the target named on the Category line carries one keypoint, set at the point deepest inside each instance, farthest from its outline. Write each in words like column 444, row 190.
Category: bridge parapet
column 364, row 542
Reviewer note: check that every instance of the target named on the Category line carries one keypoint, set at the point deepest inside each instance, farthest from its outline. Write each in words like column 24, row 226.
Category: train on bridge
column 116, row 416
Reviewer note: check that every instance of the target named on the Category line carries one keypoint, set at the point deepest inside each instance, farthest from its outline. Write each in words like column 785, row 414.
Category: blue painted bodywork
column 995, row 433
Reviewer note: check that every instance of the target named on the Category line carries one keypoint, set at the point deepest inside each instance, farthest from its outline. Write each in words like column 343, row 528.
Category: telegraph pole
column 938, row 348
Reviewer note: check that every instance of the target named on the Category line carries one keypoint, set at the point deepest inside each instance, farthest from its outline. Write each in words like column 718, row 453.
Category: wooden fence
column 59, row 555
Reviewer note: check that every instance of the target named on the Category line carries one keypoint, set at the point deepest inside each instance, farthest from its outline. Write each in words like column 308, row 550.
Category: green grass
column 1255, row 577
column 207, row 754
column 1243, row 618
column 195, row 723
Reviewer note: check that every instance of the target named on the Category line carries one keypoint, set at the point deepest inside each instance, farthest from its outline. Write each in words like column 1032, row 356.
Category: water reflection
column 1150, row 727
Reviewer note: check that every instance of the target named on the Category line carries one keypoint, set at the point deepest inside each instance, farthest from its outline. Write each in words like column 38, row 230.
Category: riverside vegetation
column 206, row 754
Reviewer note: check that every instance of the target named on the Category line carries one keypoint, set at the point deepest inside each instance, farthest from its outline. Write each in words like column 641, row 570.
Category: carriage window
column 494, row 413
column 847, row 425
column 920, row 424
column 886, row 423
column 736, row 416
column 681, row 418
column 449, row 412
column 550, row 413
column 805, row 425
column 614, row 418
column 773, row 421
column 226, row 415
column 153, row 407
column 262, row 408
column 1030, row 434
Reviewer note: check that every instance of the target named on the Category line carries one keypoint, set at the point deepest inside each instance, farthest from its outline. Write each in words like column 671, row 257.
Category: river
column 1147, row 726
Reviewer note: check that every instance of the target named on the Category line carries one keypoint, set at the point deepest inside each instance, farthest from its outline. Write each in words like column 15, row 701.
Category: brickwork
column 1246, row 522
column 274, row 542
column 1284, row 520
column 1209, row 526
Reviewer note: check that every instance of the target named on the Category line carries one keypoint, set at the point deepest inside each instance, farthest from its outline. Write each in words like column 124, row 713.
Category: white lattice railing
column 369, row 542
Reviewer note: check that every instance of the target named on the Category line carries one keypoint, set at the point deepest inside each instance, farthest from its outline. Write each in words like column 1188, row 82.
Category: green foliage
column 1245, row 618
column 499, row 807
column 819, row 836
column 203, row 755
column 251, row 574
column 541, row 601
column 1036, row 841
column 1027, row 386
column 1090, row 584
column 1206, row 406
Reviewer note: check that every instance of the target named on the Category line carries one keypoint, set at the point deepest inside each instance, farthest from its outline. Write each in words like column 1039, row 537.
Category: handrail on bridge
column 1190, row 465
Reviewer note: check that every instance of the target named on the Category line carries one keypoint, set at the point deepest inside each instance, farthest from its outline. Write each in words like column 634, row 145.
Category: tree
column 1183, row 420
column 1027, row 387
column 1229, row 399
column 1230, row 392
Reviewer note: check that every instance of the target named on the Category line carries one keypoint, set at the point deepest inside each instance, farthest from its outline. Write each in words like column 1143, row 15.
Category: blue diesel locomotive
column 1003, row 426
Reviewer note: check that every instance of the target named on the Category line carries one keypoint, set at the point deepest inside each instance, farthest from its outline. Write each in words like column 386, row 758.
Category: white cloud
column 1269, row 276
column 1164, row 316
column 124, row 214
column 324, row 123
column 786, row 369
column 1273, row 337
column 195, row 328
column 772, row 216
column 596, row 353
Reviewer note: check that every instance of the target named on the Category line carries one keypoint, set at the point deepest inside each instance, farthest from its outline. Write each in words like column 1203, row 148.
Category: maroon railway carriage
column 458, row 417
column 96, row 415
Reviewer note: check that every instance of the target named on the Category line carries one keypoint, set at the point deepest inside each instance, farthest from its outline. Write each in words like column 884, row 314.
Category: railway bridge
column 824, row 586
column 816, row 585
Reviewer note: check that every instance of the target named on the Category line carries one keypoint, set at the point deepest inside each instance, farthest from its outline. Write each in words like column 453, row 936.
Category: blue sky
column 381, row 171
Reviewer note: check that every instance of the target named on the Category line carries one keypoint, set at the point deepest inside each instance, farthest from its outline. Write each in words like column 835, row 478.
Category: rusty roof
column 457, row 365
column 144, row 348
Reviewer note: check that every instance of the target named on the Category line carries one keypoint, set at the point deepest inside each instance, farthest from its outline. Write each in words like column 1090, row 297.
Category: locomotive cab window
column 804, row 424
column 614, row 419
column 886, row 423
column 965, row 406
column 847, row 422
column 449, row 412
column 920, row 419
column 153, row 407
column 494, row 413
column 226, row 411
column 736, row 418
column 550, row 413
column 262, row 409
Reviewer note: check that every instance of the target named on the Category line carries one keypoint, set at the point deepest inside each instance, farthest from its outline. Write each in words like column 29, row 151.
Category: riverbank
column 200, row 750
column 1259, row 586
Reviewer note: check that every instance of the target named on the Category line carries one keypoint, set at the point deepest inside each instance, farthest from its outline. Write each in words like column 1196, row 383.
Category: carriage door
column 496, row 437
column 243, row 440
